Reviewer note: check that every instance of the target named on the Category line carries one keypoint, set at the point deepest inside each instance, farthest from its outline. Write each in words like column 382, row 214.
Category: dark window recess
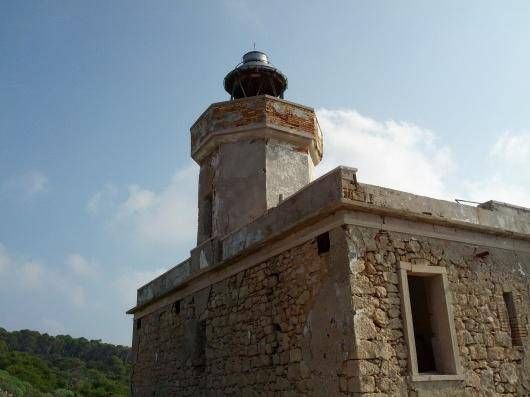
column 199, row 345
column 207, row 218
column 516, row 331
column 421, row 319
column 139, row 323
column 176, row 307
column 323, row 243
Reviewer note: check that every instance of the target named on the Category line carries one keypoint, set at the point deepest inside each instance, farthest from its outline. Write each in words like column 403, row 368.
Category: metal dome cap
column 256, row 56
column 255, row 75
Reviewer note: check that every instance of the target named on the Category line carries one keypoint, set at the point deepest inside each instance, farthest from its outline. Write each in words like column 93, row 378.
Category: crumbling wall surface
column 478, row 276
column 280, row 327
column 288, row 169
column 239, row 184
column 247, row 113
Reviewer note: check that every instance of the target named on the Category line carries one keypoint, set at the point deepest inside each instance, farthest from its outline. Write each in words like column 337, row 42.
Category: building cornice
column 332, row 200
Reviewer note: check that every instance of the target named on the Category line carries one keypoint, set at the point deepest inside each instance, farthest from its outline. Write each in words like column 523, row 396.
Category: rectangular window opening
column 207, row 218
column 176, row 307
column 323, row 243
column 513, row 320
column 421, row 319
column 429, row 326
column 199, row 344
column 139, row 323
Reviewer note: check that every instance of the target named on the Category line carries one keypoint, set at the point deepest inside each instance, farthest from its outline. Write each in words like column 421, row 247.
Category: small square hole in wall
column 323, row 243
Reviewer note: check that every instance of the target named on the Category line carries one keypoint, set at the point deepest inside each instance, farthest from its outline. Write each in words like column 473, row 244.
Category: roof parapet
column 334, row 191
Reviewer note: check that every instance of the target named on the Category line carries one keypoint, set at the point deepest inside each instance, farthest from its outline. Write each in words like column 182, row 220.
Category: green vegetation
column 40, row 365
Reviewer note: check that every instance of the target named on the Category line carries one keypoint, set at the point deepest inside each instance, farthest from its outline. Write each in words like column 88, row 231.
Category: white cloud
column 28, row 184
column 30, row 287
column 81, row 266
column 101, row 198
column 138, row 200
column 26, row 273
column 34, row 182
column 32, row 276
column 404, row 156
column 498, row 188
column 393, row 154
column 171, row 216
column 152, row 218
column 513, row 148
column 32, row 273
column 505, row 172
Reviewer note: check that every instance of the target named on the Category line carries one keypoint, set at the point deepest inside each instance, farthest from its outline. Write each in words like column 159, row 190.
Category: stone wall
column 477, row 276
column 281, row 327
column 330, row 324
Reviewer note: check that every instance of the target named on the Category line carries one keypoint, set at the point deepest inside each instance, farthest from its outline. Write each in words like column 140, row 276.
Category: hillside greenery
column 40, row 365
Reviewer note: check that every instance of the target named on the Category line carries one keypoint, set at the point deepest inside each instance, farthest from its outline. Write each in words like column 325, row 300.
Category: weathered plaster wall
column 281, row 327
column 254, row 112
column 288, row 169
column 477, row 275
column 239, row 184
column 240, row 180
column 253, row 153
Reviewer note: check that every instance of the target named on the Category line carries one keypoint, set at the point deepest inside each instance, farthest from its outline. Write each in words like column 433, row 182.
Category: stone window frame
column 406, row 269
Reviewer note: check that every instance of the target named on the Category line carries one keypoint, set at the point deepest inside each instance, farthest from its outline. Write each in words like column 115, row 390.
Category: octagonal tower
column 253, row 151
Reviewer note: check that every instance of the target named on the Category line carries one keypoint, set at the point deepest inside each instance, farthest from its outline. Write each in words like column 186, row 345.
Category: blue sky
column 97, row 190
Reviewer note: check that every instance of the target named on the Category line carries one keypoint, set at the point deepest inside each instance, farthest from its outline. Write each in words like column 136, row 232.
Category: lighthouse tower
column 254, row 150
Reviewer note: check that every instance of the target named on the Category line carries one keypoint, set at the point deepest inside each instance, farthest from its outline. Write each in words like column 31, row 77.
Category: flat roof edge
column 334, row 191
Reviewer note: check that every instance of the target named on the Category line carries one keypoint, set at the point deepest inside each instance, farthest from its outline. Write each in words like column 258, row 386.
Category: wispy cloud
column 498, row 187
column 81, row 267
column 33, row 276
column 16, row 271
column 138, row 200
column 394, row 154
column 512, row 148
column 505, row 175
column 100, row 199
column 73, row 295
column 27, row 184
column 405, row 156
column 167, row 217
column 32, row 273
column 146, row 217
